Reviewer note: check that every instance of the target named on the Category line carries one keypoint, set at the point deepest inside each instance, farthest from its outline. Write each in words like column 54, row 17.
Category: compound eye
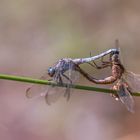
column 51, row 71
column 115, row 52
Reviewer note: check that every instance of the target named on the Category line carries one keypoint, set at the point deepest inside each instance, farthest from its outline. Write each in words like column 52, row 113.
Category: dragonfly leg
column 102, row 60
column 67, row 78
column 94, row 65
column 105, row 62
column 97, row 66
column 60, row 80
column 104, row 65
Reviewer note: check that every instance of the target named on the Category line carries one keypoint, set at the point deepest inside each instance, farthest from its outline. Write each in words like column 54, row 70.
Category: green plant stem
column 45, row 82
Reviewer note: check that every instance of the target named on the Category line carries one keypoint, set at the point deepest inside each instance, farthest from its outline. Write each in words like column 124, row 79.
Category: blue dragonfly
column 66, row 70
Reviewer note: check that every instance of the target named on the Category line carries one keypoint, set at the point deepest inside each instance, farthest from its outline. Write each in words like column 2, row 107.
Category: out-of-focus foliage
column 34, row 35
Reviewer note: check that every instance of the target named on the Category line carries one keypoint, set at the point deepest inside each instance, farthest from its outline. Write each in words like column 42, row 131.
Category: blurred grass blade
column 45, row 82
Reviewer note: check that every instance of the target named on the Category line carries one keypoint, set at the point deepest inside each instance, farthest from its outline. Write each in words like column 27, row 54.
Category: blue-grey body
column 64, row 71
column 65, row 64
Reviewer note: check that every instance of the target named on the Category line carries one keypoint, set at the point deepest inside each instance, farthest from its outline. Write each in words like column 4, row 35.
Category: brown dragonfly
column 125, row 82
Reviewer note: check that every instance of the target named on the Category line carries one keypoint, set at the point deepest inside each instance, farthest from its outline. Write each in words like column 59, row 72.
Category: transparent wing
column 70, row 77
column 72, row 74
column 53, row 93
column 37, row 90
column 126, row 98
column 133, row 80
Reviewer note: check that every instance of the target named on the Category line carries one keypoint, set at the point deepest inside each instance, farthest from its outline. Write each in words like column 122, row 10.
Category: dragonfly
column 65, row 71
column 125, row 82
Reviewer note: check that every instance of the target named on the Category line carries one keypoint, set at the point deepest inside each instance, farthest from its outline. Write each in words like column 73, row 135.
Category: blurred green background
column 34, row 35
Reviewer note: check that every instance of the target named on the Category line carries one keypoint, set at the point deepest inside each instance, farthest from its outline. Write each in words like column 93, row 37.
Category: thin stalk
column 45, row 82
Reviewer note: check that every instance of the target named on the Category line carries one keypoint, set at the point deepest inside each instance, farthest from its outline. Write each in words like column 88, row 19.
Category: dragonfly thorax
column 64, row 65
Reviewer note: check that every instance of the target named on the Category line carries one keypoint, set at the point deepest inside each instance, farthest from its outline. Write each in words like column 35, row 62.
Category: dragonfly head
column 51, row 71
column 116, row 51
column 115, row 58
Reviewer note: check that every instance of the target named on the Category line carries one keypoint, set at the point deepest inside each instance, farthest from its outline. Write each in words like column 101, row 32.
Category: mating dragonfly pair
column 66, row 71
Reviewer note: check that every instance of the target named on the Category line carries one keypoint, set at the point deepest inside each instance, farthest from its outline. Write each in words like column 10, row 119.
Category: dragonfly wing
column 53, row 94
column 133, row 80
column 37, row 90
column 126, row 98
column 70, row 77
